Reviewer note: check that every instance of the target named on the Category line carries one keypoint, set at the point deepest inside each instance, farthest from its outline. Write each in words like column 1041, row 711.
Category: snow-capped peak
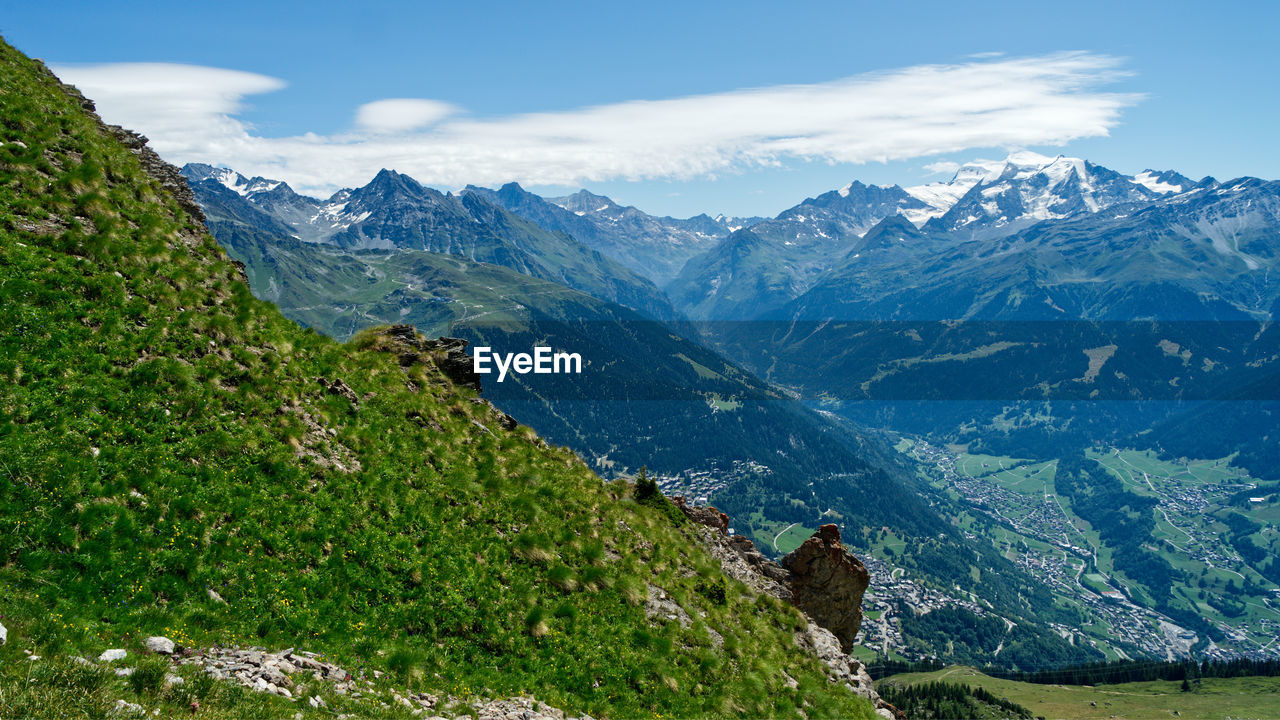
column 241, row 185
column 1031, row 160
column 1151, row 181
column 1000, row 176
column 232, row 180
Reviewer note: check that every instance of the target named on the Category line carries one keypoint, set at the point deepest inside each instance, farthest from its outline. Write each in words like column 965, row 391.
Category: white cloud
column 190, row 115
column 942, row 167
column 401, row 114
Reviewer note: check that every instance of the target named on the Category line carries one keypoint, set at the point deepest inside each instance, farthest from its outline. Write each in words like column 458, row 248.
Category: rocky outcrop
column 160, row 171
column 448, row 354
column 819, row 577
column 842, row 668
column 707, row 515
column 505, row 421
column 737, row 555
column 267, row 672
column 341, row 389
column 517, row 708
column 827, row 583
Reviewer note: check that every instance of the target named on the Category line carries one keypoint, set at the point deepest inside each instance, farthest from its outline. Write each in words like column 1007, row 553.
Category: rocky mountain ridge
column 656, row 247
column 754, row 272
column 393, row 211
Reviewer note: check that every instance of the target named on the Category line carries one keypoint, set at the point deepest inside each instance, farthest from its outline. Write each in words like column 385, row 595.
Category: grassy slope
column 151, row 423
column 1217, row 698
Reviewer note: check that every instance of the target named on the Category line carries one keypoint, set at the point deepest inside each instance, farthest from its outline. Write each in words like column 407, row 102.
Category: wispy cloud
column 942, row 167
column 190, row 114
column 398, row 115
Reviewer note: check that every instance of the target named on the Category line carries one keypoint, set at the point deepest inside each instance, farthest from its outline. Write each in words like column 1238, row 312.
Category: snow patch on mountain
column 1152, row 182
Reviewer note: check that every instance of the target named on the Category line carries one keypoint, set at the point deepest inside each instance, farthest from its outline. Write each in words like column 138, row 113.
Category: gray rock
column 124, row 672
column 127, row 707
column 4, row 634
column 159, row 644
column 112, row 655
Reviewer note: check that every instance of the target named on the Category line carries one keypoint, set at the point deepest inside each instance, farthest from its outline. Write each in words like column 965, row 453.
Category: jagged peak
column 585, row 202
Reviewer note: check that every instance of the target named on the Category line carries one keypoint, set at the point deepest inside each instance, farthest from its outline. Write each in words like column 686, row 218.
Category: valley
column 1014, row 504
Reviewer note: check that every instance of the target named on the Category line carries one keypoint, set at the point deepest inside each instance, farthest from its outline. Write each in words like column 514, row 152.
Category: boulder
column 159, row 645
column 4, row 634
column 827, row 583
column 112, row 655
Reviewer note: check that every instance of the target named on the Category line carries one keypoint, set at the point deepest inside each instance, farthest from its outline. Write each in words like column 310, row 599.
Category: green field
column 1216, row 699
column 723, row 404
column 788, row 536
column 1145, row 473
column 1027, row 477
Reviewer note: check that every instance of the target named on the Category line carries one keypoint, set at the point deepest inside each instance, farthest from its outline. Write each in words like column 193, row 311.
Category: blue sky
column 1205, row 74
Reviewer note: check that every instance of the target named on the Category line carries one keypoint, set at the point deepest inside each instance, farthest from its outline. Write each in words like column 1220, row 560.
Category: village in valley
column 1015, row 503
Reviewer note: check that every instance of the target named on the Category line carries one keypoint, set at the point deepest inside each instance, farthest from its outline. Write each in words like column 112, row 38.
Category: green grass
column 1129, row 466
column 723, row 404
column 163, row 433
column 702, row 370
column 1216, row 698
column 983, row 465
column 792, row 538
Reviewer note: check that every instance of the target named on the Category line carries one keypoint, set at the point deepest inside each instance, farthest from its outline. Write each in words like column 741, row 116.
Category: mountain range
column 395, row 211
column 754, row 272
column 1029, row 307
column 652, row 394
column 655, row 247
